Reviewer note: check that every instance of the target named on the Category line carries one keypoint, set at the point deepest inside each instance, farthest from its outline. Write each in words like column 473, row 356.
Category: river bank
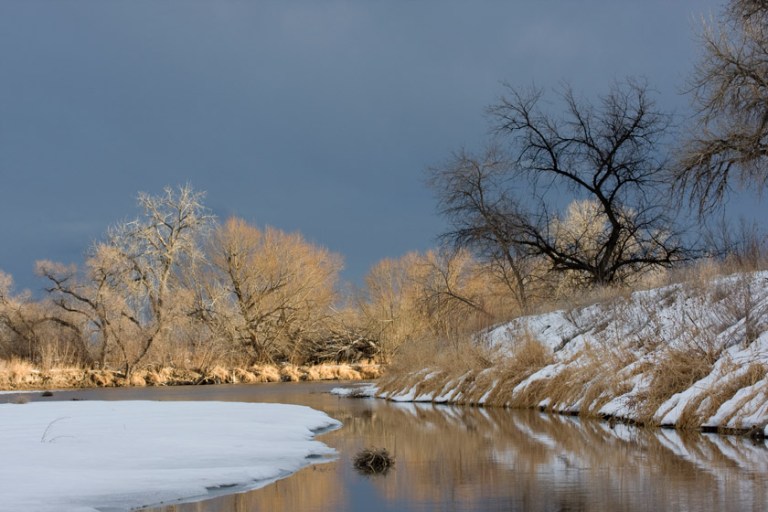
column 685, row 356
column 19, row 375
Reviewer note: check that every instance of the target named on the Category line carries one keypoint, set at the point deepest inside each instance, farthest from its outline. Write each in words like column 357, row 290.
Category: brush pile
column 374, row 461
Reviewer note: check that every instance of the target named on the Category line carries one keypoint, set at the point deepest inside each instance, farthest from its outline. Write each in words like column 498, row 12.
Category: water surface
column 467, row 459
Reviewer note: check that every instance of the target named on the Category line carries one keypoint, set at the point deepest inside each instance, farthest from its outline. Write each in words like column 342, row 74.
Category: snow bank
column 685, row 355
column 359, row 391
column 87, row 456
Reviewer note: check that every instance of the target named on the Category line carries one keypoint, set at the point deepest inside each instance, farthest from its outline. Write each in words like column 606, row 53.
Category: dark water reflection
column 461, row 459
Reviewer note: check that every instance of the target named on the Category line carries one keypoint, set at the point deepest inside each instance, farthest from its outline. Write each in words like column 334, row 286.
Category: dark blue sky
column 317, row 116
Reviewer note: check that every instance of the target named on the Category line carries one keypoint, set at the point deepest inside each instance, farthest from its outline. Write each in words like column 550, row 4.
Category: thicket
column 175, row 288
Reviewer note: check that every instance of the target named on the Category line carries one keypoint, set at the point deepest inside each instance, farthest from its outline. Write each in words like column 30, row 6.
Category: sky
column 310, row 116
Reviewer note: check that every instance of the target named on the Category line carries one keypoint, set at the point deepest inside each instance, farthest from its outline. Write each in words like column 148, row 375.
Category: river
column 475, row 459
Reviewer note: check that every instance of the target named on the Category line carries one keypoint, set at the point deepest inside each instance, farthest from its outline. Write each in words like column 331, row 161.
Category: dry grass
column 602, row 377
column 590, row 380
column 101, row 379
column 368, row 371
column 346, row 373
column 634, row 355
column 672, row 371
column 137, row 380
column 587, row 382
column 707, row 404
column 17, row 374
column 458, row 357
column 266, row 373
column 528, row 356
column 157, row 377
column 244, row 376
column 290, row 373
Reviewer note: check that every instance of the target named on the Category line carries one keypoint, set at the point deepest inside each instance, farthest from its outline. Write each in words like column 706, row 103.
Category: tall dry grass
column 528, row 356
column 19, row 374
column 672, row 371
column 16, row 372
column 706, row 405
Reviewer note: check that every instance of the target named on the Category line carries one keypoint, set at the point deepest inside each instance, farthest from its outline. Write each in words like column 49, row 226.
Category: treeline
column 176, row 288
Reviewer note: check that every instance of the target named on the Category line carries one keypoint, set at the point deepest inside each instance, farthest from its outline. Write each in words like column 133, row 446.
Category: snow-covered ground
column 88, row 456
column 685, row 355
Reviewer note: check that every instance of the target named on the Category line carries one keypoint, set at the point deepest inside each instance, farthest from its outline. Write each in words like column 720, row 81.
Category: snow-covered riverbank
column 689, row 355
column 87, row 456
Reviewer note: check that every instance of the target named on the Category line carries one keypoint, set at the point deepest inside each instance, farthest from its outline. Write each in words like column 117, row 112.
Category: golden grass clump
column 707, row 404
column 266, row 373
column 368, row 371
column 345, row 372
column 157, row 377
column 331, row 372
column 320, row 372
column 15, row 372
column 245, row 376
column 102, row 379
column 19, row 374
column 290, row 373
column 674, row 370
column 218, row 375
column 137, row 380
column 528, row 356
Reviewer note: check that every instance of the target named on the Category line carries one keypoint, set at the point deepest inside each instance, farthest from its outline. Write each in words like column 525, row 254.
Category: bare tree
column 507, row 203
column 270, row 291
column 134, row 289
column 728, row 144
column 437, row 298
column 94, row 304
column 81, row 307
column 20, row 319
column 392, row 304
column 30, row 330
column 151, row 256
column 474, row 195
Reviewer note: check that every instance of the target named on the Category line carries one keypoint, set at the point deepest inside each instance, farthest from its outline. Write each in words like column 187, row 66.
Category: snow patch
column 88, row 456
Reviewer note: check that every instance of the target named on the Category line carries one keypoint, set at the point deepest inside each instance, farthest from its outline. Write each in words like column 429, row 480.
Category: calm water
column 462, row 459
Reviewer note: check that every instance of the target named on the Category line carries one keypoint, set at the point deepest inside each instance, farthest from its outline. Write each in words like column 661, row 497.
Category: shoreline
column 404, row 390
column 27, row 378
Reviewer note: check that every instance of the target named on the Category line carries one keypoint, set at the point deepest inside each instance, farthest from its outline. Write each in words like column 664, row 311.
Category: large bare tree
column 135, row 289
column 728, row 144
column 509, row 203
column 269, row 291
column 152, row 256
